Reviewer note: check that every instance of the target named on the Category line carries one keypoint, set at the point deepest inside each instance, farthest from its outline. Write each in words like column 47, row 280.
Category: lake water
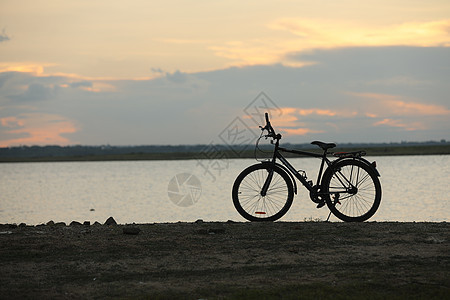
column 415, row 188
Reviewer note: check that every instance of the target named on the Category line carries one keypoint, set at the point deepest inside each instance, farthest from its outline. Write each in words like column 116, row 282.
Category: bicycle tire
column 249, row 202
column 358, row 204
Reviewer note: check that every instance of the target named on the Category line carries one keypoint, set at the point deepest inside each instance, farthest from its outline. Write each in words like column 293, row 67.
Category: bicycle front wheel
column 270, row 205
column 353, row 191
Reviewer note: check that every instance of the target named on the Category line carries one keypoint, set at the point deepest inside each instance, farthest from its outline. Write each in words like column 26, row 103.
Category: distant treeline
column 79, row 152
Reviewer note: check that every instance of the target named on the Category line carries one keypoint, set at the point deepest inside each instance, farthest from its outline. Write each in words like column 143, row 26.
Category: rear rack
column 349, row 154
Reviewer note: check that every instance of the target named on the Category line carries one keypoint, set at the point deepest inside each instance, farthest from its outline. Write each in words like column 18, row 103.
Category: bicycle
column 349, row 186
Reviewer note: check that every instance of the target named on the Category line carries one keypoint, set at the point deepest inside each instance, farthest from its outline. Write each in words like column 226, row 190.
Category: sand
column 226, row 260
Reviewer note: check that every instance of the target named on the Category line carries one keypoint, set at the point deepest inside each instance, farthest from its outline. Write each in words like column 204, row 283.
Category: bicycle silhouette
column 349, row 186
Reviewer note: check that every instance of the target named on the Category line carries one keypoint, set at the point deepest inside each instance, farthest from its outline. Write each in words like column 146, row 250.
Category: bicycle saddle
column 323, row 145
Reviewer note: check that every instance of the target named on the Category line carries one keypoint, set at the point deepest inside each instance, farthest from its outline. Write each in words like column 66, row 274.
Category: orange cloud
column 292, row 113
column 34, row 68
column 397, row 123
column 286, row 118
column 37, row 129
column 289, row 121
column 307, row 34
column 316, row 111
column 406, row 108
column 11, row 122
column 395, row 105
column 98, row 87
column 99, row 84
column 299, row 131
column 329, row 33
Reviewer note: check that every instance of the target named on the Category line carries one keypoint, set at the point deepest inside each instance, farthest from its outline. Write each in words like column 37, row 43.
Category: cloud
column 35, row 68
column 157, row 70
column 400, row 81
column 299, row 131
column 36, row 129
column 399, row 124
column 81, row 84
column 35, row 92
column 11, row 122
column 395, row 105
column 29, row 83
column 4, row 37
column 333, row 100
column 311, row 34
column 417, row 109
column 291, row 114
column 375, row 64
column 316, row 33
column 23, row 87
column 305, row 121
column 316, row 111
column 176, row 77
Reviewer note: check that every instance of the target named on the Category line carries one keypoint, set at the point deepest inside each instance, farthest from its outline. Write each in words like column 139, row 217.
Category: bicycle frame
column 307, row 184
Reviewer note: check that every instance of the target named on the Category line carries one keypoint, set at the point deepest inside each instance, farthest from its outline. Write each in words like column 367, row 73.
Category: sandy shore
column 226, row 260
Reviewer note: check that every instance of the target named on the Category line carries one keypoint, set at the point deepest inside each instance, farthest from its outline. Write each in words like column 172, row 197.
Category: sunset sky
column 142, row 72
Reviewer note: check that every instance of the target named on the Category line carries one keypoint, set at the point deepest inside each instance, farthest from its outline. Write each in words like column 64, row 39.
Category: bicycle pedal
column 321, row 204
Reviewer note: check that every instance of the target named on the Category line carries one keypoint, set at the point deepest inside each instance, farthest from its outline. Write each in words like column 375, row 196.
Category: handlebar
column 270, row 130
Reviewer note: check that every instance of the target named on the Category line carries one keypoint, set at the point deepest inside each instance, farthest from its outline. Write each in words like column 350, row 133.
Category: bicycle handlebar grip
column 268, row 125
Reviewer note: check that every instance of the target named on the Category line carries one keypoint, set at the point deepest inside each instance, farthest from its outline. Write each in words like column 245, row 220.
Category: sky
column 140, row 72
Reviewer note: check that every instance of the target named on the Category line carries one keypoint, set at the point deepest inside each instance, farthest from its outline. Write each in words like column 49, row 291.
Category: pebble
column 110, row 221
column 131, row 230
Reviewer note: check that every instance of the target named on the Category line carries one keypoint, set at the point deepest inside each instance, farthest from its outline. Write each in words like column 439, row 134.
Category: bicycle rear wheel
column 248, row 199
column 353, row 191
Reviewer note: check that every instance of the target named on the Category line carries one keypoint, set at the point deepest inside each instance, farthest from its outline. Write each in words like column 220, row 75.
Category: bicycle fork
column 267, row 183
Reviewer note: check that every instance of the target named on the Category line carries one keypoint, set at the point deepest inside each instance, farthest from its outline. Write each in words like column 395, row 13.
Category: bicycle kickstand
column 336, row 200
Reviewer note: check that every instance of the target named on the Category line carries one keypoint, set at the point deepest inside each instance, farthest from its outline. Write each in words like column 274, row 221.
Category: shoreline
column 226, row 260
column 229, row 154
column 112, row 222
